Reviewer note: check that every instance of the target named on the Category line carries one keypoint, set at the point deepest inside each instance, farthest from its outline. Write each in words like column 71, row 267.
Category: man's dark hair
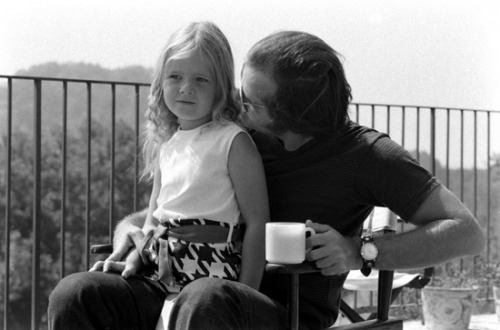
column 313, row 94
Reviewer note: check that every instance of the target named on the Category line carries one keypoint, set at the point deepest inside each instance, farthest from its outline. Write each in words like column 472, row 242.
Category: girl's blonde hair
column 206, row 39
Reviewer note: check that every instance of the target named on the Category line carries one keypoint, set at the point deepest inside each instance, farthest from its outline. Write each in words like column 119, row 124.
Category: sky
column 443, row 53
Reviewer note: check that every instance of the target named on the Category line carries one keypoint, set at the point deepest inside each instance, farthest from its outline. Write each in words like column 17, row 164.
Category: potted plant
column 447, row 302
column 490, row 274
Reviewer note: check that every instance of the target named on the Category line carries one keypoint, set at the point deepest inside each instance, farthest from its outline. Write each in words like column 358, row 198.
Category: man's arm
column 127, row 234
column 446, row 229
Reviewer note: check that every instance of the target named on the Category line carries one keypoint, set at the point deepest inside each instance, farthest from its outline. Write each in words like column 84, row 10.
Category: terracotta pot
column 496, row 295
column 447, row 309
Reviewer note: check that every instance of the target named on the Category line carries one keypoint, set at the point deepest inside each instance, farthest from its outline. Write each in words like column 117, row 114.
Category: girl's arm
column 151, row 223
column 247, row 175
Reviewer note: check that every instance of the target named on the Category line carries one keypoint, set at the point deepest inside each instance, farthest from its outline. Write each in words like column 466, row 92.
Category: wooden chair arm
column 390, row 324
column 303, row 268
column 101, row 249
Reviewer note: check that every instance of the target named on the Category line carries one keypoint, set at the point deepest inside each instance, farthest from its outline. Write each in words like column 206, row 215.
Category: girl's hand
column 331, row 252
column 108, row 266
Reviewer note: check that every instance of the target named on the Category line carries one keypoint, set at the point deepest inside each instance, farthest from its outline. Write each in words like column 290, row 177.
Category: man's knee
column 207, row 288
column 221, row 304
column 70, row 291
column 200, row 305
column 67, row 303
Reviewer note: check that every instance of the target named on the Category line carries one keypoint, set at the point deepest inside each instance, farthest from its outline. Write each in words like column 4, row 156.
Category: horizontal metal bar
column 123, row 83
column 382, row 105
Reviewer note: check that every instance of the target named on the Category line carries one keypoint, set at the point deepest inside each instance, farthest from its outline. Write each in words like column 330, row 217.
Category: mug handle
column 310, row 232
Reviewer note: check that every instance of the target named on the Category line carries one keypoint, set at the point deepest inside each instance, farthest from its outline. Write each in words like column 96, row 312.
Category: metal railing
column 461, row 146
column 36, row 86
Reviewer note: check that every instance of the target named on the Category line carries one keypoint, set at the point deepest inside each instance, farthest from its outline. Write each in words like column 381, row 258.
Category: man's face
column 256, row 87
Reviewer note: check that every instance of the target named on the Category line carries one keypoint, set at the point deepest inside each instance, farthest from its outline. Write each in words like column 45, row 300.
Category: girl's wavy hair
column 206, row 39
column 313, row 94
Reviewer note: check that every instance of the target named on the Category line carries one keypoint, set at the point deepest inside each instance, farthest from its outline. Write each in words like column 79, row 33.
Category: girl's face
column 189, row 90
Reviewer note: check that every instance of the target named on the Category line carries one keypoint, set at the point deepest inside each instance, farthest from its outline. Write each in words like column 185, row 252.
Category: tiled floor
column 478, row 322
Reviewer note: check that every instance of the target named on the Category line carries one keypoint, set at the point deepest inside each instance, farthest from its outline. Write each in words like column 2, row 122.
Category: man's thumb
column 128, row 271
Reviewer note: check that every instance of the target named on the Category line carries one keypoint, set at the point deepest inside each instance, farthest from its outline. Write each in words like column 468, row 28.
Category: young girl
column 208, row 178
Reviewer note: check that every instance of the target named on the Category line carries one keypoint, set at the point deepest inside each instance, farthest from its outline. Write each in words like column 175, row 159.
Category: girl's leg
column 95, row 300
column 210, row 303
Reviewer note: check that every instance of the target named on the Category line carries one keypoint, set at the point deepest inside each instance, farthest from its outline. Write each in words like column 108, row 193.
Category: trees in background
column 21, row 232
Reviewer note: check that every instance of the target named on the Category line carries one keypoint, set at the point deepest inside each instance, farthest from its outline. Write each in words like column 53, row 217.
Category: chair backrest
column 380, row 219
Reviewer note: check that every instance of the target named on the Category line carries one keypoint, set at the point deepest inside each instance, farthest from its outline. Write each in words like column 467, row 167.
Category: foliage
column 51, row 213
column 489, row 272
column 454, row 275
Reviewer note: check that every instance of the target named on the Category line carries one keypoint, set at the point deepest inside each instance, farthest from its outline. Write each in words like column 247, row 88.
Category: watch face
column 369, row 251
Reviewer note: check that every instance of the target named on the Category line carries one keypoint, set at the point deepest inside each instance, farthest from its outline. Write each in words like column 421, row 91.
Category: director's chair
column 387, row 283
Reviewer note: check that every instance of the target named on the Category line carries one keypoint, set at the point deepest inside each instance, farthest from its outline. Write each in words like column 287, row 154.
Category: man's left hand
column 331, row 252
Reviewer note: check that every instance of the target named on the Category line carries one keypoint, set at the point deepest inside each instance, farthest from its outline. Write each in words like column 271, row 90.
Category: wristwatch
column 369, row 253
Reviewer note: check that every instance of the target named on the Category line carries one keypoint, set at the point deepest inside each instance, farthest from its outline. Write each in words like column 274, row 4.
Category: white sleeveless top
column 195, row 180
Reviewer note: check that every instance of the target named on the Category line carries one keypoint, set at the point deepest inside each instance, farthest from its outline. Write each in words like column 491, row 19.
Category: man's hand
column 332, row 252
column 121, row 248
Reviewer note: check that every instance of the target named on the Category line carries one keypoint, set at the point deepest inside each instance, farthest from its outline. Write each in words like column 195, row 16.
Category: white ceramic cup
column 286, row 242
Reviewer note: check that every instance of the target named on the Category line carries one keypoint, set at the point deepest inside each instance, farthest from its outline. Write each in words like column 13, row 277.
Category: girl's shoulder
column 225, row 126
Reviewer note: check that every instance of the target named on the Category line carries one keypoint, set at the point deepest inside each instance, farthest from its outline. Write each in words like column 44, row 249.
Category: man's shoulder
column 361, row 134
column 370, row 140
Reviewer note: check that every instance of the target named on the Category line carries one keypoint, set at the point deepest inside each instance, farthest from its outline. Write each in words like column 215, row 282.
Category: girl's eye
column 201, row 79
column 174, row 76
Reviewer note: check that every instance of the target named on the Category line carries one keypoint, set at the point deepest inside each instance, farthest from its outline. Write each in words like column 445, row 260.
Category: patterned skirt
column 180, row 261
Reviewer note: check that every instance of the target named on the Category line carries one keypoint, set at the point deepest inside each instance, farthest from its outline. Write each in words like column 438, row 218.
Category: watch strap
column 366, row 270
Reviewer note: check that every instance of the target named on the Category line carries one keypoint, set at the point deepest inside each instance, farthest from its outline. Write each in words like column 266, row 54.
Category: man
column 323, row 167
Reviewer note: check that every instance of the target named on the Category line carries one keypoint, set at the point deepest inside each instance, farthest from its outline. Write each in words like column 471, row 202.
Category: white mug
column 286, row 242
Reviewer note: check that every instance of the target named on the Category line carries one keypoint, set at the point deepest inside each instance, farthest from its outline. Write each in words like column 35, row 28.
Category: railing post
column 433, row 141
column 88, row 180
column 475, row 163
column 137, row 148
column 63, row 179
column 112, row 161
column 417, row 130
column 7, row 206
column 35, row 284
column 373, row 116
column 488, row 193
column 448, row 137
column 462, row 151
